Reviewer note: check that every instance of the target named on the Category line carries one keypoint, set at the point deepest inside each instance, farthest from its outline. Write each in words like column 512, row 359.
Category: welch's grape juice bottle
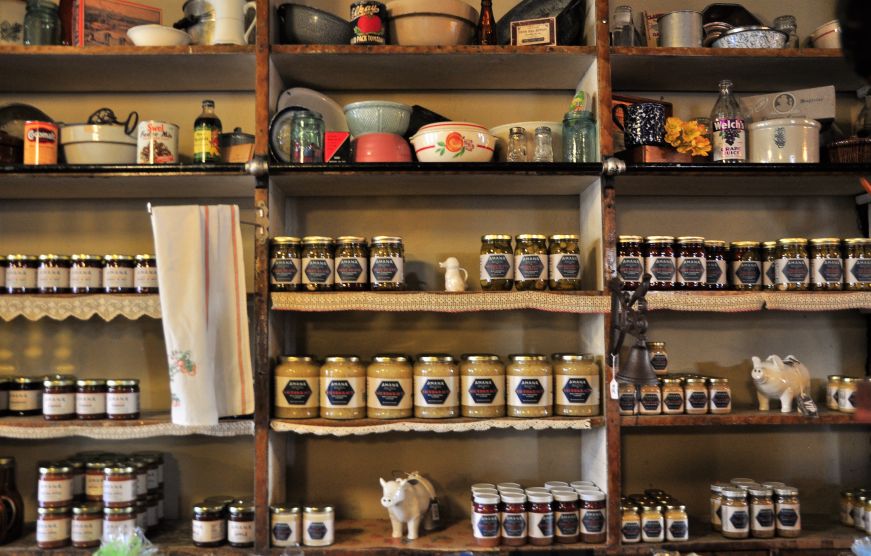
column 730, row 134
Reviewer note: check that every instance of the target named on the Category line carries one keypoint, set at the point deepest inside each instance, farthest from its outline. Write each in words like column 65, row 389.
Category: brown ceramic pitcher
column 11, row 504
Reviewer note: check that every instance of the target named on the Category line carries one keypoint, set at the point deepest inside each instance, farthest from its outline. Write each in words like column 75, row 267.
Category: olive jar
column 318, row 264
column 793, row 271
column 564, row 262
column 746, row 267
column 827, row 265
column 285, row 262
column 352, row 264
column 386, row 264
column 496, row 263
column 857, row 264
column 531, row 260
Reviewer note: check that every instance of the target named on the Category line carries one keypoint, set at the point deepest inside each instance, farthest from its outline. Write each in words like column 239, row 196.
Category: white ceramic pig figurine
column 453, row 281
column 407, row 502
column 783, row 379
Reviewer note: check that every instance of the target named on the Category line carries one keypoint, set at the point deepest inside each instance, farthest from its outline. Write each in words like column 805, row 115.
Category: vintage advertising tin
column 157, row 142
column 369, row 21
column 40, row 143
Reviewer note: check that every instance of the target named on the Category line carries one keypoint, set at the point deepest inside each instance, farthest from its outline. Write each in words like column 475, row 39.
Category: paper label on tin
column 436, row 392
column 793, row 271
column 285, row 270
column 54, row 491
column 117, row 277
column 386, row 269
column 53, row 277
column 86, row 530
column 119, row 491
column 692, row 270
column 90, row 403
column 286, row 530
column 577, row 390
column 347, row 393
column 118, row 529
column 25, row 400
column 662, row 269
column 858, row 271
column 94, row 485
column 564, row 267
column 592, row 521
column 122, row 403
column 86, row 277
column 788, row 517
column 747, row 273
column 351, row 270
column 19, row 278
column 59, row 404
column 497, row 266
column 317, row 271
column 530, row 391
column 734, row 519
column 486, row 391
column 389, row 393
column 531, row 267
column 208, row 531
column 296, row 393
column 540, row 525
column 51, row 530
column 145, row 277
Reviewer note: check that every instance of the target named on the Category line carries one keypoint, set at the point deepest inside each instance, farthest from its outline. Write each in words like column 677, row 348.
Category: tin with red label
column 40, row 143
column 157, row 143
column 369, row 21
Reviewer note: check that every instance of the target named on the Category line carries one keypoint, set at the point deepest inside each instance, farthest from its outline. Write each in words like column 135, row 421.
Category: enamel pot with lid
column 198, row 21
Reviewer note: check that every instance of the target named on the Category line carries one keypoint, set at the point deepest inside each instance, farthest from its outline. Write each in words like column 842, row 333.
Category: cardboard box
column 816, row 104
column 105, row 22
column 534, row 32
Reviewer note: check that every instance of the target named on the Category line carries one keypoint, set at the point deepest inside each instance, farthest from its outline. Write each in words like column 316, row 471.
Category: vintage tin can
column 40, row 143
column 157, row 142
column 369, row 21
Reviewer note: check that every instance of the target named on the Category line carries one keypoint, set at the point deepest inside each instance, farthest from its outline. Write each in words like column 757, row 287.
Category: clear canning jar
column 122, row 399
column 436, row 384
column 59, row 398
column 761, row 513
column 716, row 253
column 672, row 396
column 387, row 264
column 318, row 264
column 530, row 379
column 691, row 264
column 53, row 274
column 482, row 382
column 352, row 264
column 52, row 528
column 86, row 274
column 577, row 384
column 696, row 395
column 21, row 273
column 734, row 513
column 720, row 394
column 145, row 274
column 659, row 262
column 209, row 525
column 793, row 270
column 118, row 273
column 240, row 523
column 87, row 525
column 564, row 262
column 55, row 485
column 846, row 507
column 857, row 264
column 630, row 261
column 746, row 268
column 297, row 387
column 390, row 387
column 91, row 398
column 788, row 512
column 343, row 387
column 285, row 264
column 318, row 525
column 530, row 257
column 285, row 525
column 496, row 263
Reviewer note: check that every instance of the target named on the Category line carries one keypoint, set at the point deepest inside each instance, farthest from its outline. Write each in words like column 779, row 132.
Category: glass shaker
column 516, row 145
column 42, row 23
column 307, row 138
column 543, row 145
column 622, row 29
column 788, row 25
column 579, row 137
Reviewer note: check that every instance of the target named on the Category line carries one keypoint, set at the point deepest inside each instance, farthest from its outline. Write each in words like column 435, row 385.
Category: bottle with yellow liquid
column 207, row 128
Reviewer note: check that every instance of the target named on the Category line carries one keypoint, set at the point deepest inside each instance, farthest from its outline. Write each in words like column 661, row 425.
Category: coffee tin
column 40, row 143
column 369, row 21
column 157, row 142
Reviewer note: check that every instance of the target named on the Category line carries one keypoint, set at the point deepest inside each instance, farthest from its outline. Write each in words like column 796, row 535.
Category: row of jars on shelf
column 677, row 394
column 693, row 263
column 63, row 397
column 742, row 508
column 78, row 274
column 509, row 515
column 841, row 392
column 856, row 508
column 536, row 262
column 654, row 516
column 435, row 386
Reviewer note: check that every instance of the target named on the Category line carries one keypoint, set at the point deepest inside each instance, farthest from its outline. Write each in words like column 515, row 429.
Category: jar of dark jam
column 25, row 396
column 52, row 528
column 53, row 274
column 659, row 262
column 691, row 263
column 21, row 273
column 530, row 258
column 54, row 488
column 746, row 267
column 793, row 270
column 87, row 525
column 240, row 523
column 496, row 263
column 827, row 265
column 352, row 264
column 3, row 264
column 318, row 263
column 119, row 486
column 209, row 525
column 630, row 261
column 285, row 255
column 564, row 262
column 715, row 259
column 769, row 265
column 593, row 517
column 86, row 274
column 59, row 398
column 4, row 396
column 857, row 264
column 145, row 274
column 90, row 399
column 118, row 274
column 122, row 399
column 387, row 264
column 566, row 516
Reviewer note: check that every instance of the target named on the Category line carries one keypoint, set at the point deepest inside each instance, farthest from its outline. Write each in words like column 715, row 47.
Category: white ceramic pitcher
column 230, row 21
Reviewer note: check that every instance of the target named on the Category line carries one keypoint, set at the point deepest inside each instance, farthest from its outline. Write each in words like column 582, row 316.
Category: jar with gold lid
column 87, row 525
column 86, row 273
column 4, row 396
column 209, row 525
column 318, row 265
column 436, row 386
column 52, row 528
column 627, row 398
column 240, row 523
column 530, row 378
column 119, row 486
column 769, row 265
column 860, row 501
column 652, row 523
column 650, row 402
column 716, row 253
column 55, row 485
column 482, row 382
column 577, row 384
column 827, row 264
column 122, row 399
column 564, row 262
column 857, row 264
column 761, row 513
column 118, row 274
column 833, row 384
column 690, row 262
column 630, row 261
column 793, row 270
column 788, row 512
column 90, row 400
column 720, row 395
column 352, row 264
column 672, row 396
column 847, row 394
column 285, row 263
column 734, row 513
column 696, row 395
column 496, row 263
column 387, row 264
column 53, row 274
column 343, row 387
column 145, row 274
column 660, row 262
column 94, row 478
column 25, row 395
column 21, row 273
column 846, row 507
column 285, row 525
column 390, row 387
column 630, row 527
column 119, row 522
column 716, row 504
column 59, row 398
column 658, row 357
column 318, row 525
column 677, row 525
column 531, row 260
column 746, row 268
column 297, row 387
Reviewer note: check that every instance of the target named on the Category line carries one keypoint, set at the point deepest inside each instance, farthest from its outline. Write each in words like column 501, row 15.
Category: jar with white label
column 746, row 267
column 734, row 514
column 593, row 517
column 91, row 399
column 720, row 396
column 672, row 396
column 530, row 392
column 788, row 512
column 145, row 274
column 343, row 387
column 240, row 523
column 482, row 385
column 389, row 387
column 567, row 514
column 716, row 253
column 141, row 516
column 318, row 526
column 630, row 261
column 297, row 387
column 25, row 395
column 55, row 485
column 122, row 399
column 53, row 274
column 540, row 517
column 78, row 471
column 209, row 525
column 52, row 528
column 691, row 266
column 152, row 516
column 650, row 402
column 696, row 395
column 351, row 264
column 827, row 264
column 87, row 525
column 833, row 384
column 285, row 525
column 847, row 390
column 496, row 263
column 513, row 518
column 119, row 486
column 793, row 267
column 577, row 384
column 486, row 528
column 86, row 273
column 21, row 273
column 119, row 523
column 627, row 398
column 436, row 387
column 564, row 262
column 118, row 271
column 318, row 265
column 531, row 262
column 630, row 525
column 659, row 262
column 716, row 504
column 857, row 264
column 761, row 513
column 285, row 264
column 59, row 398
column 140, row 467
column 94, row 479
column 652, row 524
column 386, row 264
column 658, row 357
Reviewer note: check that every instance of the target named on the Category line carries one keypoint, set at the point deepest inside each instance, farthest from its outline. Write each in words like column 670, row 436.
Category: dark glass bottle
column 486, row 24
column 11, row 499
column 207, row 129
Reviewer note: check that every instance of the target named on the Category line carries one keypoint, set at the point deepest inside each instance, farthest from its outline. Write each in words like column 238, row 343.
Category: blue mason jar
column 579, row 137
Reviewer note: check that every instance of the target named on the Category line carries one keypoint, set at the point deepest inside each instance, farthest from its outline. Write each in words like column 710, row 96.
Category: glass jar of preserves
column 208, row 526
column 482, row 382
column 318, row 525
column 530, row 257
column 652, row 524
column 352, row 264
column 827, row 265
column 540, row 517
column 691, row 263
column 318, row 264
column 564, row 262
column 847, row 394
column 734, row 514
column 630, row 526
column 496, row 263
column 793, row 271
column 846, row 507
column 387, row 264
column 658, row 357
column 3, row 265
column 651, row 399
column 86, row 273
column 78, row 471
column 659, row 262
column 285, row 525
column 627, row 398
column 240, row 523
column 672, row 396
column 59, row 398
column 857, row 264
column 140, row 467
column 21, row 273
column 25, row 396
column 788, row 512
column 297, row 387
column 720, row 395
column 119, row 522
column 833, row 384
column 769, row 265
column 118, row 273
column 52, row 528
column 485, row 520
column 761, row 513
column 94, row 479
column 577, row 384
column 145, row 274
column 529, row 389
column 715, row 264
column 285, row 262
column 122, row 399
column 593, row 517
column 4, row 396
column 87, row 525
column 630, row 261
column 119, row 486
column 436, row 383
column 53, row 274
column 567, row 516
column 677, row 525
column 513, row 518
column 55, row 485
column 746, row 268
column 696, row 396
column 90, row 401
column 389, row 387
column 343, row 387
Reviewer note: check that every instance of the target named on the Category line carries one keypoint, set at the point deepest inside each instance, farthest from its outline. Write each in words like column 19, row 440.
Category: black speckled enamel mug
column 643, row 123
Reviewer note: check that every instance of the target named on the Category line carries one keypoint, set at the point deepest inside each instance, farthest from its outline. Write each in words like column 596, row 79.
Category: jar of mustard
column 389, row 387
column 660, row 262
column 482, row 381
column 387, row 264
column 343, row 387
column 696, row 395
column 530, row 378
column 630, row 527
column 496, row 263
column 318, row 264
column 531, row 259
column 715, row 263
column 746, row 268
column 285, row 260
column 677, row 525
column 690, row 263
column 720, row 395
column 652, row 524
column 436, row 384
column 847, row 394
column 793, row 270
column 651, row 399
column 833, row 384
column 672, row 396
column 788, row 512
column 630, row 261
column 857, row 264
column 577, row 384
column 734, row 513
column 827, row 264
column 769, row 265
column 352, row 263
column 658, row 357
column 761, row 513
column 564, row 262
column 297, row 387
column 627, row 398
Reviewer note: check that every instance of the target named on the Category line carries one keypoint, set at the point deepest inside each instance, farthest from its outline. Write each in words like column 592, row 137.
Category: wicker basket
column 855, row 150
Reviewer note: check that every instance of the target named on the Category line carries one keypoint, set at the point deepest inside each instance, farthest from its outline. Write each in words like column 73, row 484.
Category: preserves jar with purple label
column 630, row 261
column 496, row 263
column 659, row 262
column 531, row 262
column 793, row 270
column 691, row 264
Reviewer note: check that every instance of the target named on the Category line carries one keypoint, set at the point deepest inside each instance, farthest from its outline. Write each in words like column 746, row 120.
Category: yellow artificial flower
column 687, row 137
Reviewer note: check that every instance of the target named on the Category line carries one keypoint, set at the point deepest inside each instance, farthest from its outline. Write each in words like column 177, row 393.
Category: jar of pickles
column 531, row 258
column 691, row 263
column 482, row 379
column 529, row 386
column 793, row 272
column 857, row 264
column 577, row 384
column 660, row 262
column 746, row 270
column 496, row 263
column 630, row 261
column 318, row 264
column 387, row 264
column 297, row 387
column 564, row 262
column 343, row 388
column 715, row 263
column 436, row 383
column 352, row 263
column 389, row 387
column 285, row 260
column 769, row 265
column 827, row 265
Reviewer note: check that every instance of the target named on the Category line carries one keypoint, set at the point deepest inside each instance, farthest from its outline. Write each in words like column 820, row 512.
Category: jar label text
column 673, row 401
column 652, row 528
column 209, row 531
column 240, row 532
column 661, row 268
column 350, row 270
column 567, row 524
column 529, row 392
column 592, row 521
column 564, row 267
column 486, row 526
column 769, row 273
column 698, row 400
column 52, row 530
column 122, row 403
column 285, row 271
column 296, row 392
column 747, row 273
column 115, row 529
column 20, row 278
column 497, row 267
column 787, row 516
column 678, row 530
column 735, row 520
column 316, row 530
column 436, row 391
column 627, row 403
column 317, row 271
column 86, row 530
column 531, row 267
column 59, row 404
column 25, row 400
column 650, row 402
column 858, row 271
column 631, row 531
column 729, row 139
column 55, row 277
column 483, row 390
column 630, row 269
column 90, row 404
column 659, row 362
column 392, row 393
column 715, row 272
column 145, row 277
column 119, row 491
column 343, row 392
column 117, row 277
column 86, row 277
column 763, row 518
column 541, row 525
column 793, row 271
column 572, row 390
column 514, row 525
column 60, row 490
column 386, row 269
column 721, row 399
column 828, row 271
column 691, row 270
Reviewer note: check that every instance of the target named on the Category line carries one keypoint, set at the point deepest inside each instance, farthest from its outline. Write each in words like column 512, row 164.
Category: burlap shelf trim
column 436, row 426
column 84, row 307
column 110, row 431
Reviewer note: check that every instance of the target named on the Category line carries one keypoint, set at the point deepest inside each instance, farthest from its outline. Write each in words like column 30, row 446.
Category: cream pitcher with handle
column 230, row 21
column 454, row 281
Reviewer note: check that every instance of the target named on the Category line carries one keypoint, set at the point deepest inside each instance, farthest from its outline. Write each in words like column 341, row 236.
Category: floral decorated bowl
column 454, row 142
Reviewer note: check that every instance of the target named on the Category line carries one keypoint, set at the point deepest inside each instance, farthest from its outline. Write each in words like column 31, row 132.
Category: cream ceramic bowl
column 785, row 140
column 501, row 133
column 827, row 35
column 431, row 23
column 97, row 144
column 453, row 142
column 157, row 35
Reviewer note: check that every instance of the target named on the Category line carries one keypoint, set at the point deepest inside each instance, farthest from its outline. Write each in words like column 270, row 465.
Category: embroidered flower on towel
column 181, row 362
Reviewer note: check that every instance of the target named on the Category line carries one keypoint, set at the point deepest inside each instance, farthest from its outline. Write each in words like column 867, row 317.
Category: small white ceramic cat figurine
column 454, row 282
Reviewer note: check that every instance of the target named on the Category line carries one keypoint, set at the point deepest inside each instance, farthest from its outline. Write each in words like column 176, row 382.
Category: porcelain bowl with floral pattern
column 454, row 142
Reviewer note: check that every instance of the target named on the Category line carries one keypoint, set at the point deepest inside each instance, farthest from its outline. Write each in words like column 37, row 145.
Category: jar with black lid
column 793, row 271
column 769, row 265
column 715, row 259
column 91, row 399
column 21, row 273
column 86, row 274
column 857, row 264
column 564, row 262
column 496, row 263
column 59, row 398
column 387, row 264
column 53, row 274
column 630, row 261
column 118, row 274
column 240, row 523
column 25, row 396
column 746, row 268
column 209, row 525
column 317, row 263
column 122, row 399
column 659, row 262
column 352, row 264
column 827, row 264
column 145, row 274
column 691, row 263
column 285, row 261
column 530, row 258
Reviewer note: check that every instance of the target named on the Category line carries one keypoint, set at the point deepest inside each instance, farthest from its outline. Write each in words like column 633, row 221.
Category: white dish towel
column 201, row 276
